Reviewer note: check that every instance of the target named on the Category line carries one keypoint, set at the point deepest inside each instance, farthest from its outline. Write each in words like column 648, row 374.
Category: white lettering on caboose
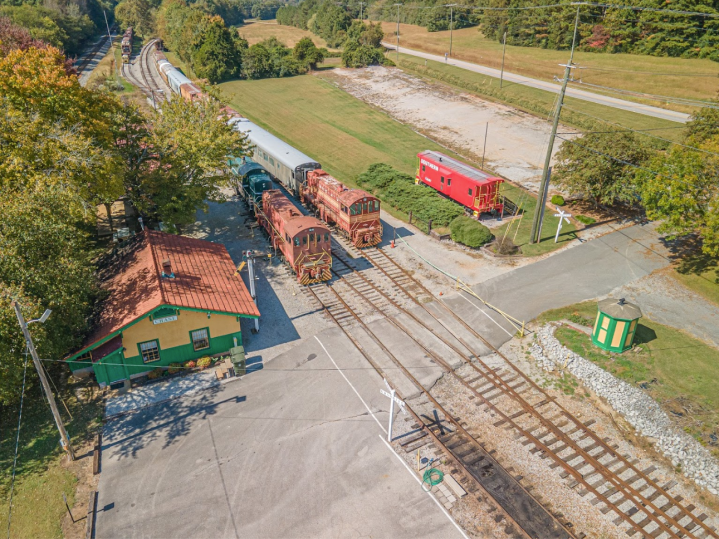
column 430, row 165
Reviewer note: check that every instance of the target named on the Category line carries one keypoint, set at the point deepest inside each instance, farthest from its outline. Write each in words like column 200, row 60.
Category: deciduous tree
column 598, row 166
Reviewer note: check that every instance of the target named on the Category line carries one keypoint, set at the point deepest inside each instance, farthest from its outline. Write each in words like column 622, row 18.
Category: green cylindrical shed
column 616, row 325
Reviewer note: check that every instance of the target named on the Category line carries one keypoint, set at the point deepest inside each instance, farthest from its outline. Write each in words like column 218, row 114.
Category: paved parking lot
column 292, row 450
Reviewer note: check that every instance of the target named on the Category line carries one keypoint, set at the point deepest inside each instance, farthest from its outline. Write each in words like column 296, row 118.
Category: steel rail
column 580, row 478
column 380, row 371
column 504, row 386
column 446, row 367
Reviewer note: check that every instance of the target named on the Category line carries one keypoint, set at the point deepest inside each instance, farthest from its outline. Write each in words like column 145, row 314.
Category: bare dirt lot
column 516, row 141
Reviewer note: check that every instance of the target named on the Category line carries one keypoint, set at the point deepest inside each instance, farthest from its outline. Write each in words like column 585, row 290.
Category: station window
column 87, row 356
column 150, row 351
column 200, row 339
column 297, row 241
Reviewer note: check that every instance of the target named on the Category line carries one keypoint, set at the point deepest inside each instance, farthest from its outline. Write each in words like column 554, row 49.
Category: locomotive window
column 449, row 182
column 327, row 236
column 441, row 179
column 288, row 237
column 364, row 208
column 297, row 241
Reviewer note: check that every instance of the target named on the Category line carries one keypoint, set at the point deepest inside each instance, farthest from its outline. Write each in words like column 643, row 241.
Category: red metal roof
column 204, row 279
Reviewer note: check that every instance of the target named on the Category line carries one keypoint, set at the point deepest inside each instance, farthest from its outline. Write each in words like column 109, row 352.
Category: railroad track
column 146, row 83
column 524, row 515
column 590, row 464
column 91, row 55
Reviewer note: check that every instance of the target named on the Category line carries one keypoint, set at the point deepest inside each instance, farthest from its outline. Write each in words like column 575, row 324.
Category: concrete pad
column 147, row 395
column 293, row 450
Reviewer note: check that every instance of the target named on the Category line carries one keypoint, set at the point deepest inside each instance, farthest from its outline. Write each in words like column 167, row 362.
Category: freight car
column 126, row 45
column 354, row 211
column 304, row 241
column 252, row 180
column 286, row 164
column 476, row 190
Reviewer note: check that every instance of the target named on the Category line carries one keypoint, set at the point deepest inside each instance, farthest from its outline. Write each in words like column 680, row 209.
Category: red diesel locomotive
column 303, row 240
column 474, row 189
column 354, row 211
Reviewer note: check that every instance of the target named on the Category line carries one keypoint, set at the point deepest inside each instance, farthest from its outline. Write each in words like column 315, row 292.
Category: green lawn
column 346, row 135
column 41, row 479
column 535, row 101
column 678, row 371
column 700, row 273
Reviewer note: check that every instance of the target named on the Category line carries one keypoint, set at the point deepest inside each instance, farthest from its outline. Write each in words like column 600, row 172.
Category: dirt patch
column 516, row 142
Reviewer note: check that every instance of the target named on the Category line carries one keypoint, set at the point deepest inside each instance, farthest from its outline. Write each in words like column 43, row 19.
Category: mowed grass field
column 255, row 31
column 674, row 77
column 345, row 134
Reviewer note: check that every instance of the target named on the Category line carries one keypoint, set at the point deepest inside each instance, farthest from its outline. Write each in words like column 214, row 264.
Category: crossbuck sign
column 562, row 217
column 393, row 399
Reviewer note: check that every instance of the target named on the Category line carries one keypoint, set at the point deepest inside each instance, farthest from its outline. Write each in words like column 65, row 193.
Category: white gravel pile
column 638, row 408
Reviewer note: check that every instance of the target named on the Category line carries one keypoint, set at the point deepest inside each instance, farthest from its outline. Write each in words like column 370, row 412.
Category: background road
column 554, row 88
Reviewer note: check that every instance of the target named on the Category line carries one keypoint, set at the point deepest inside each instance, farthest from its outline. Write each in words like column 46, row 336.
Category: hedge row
column 399, row 191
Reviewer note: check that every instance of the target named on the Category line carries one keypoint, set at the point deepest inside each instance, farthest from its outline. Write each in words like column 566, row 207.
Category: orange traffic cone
column 392, row 244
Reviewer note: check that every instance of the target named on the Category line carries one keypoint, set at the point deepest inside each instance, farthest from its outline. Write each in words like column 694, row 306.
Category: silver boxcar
column 285, row 163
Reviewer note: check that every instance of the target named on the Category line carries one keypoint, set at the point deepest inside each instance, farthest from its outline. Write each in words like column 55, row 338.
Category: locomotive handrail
column 269, row 221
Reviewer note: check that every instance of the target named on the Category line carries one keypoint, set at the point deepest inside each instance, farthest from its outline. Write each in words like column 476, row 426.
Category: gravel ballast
column 638, row 408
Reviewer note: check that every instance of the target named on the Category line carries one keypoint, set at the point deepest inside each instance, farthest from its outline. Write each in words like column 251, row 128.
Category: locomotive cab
column 361, row 210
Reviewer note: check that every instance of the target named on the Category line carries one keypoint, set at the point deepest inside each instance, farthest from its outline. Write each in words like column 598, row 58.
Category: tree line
column 65, row 24
column 678, row 186
column 361, row 42
column 601, row 29
column 64, row 150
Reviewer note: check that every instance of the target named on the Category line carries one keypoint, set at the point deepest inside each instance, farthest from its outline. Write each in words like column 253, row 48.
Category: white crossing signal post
column 392, row 399
column 563, row 216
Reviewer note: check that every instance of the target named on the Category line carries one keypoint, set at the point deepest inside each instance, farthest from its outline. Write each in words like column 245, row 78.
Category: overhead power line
column 670, row 99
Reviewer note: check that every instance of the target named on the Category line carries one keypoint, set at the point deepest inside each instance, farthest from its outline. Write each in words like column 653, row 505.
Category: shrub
column 558, row 200
column 399, row 191
column 204, row 362
column 190, row 364
column 585, row 220
column 469, row 232
column 154, row 374
column 174, row 367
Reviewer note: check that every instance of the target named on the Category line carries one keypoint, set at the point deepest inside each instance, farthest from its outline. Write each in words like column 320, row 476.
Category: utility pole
column 486, row 130
column 451, row 24
column 251, row 275
column 543, row 187
column 504, row 49
column 65, row 439
column 397, row 31
column 108, row 27
column 361, row 5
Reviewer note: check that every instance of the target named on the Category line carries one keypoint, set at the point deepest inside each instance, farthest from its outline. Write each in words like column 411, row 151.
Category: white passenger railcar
column 286, row 164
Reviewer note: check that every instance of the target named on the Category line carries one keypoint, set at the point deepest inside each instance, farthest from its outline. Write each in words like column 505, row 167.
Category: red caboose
column 354, row 211
column 303, row 240
column 474, row 189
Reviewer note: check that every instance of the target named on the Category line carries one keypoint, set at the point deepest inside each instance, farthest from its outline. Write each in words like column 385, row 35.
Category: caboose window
column 449, row 182
column 441, row 179
column 469, row 192
column 423, row 169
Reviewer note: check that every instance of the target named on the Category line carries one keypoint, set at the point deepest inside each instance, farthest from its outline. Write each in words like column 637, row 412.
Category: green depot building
column 170, row 299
